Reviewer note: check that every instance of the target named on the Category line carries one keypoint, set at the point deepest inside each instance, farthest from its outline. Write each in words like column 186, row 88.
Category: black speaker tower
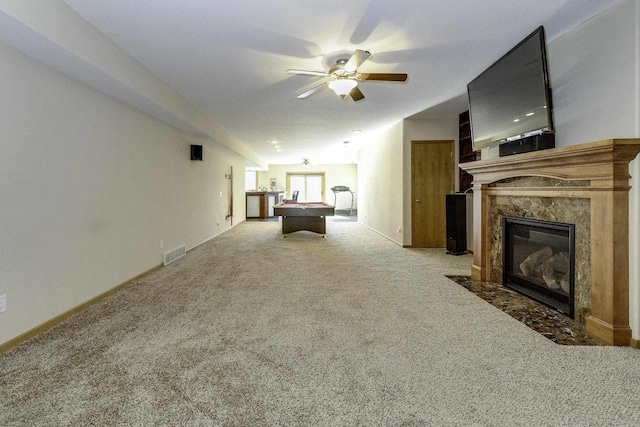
column 456, row 210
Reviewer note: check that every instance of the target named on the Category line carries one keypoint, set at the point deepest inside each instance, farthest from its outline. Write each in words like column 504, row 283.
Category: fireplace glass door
column 539, row 261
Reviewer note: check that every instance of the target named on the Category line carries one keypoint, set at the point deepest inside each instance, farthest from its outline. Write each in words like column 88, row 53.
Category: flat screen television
column 511, row 99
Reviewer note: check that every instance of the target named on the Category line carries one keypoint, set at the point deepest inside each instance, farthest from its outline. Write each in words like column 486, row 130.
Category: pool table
column 303, row 216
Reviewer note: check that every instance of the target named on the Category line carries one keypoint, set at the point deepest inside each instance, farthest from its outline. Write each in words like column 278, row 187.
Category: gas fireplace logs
column 552, row 269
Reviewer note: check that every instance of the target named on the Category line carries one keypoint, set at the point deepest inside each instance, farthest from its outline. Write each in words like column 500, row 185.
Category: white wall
column 55, row 34
column 380, row 176
column 340, row 174
column 89, row 186
column 424, row 130
column 595, row 76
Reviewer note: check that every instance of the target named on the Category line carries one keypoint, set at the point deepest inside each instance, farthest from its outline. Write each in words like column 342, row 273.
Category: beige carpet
column 251, row 329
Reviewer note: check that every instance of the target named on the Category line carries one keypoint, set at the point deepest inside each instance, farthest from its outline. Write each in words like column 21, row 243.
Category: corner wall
column 89, row 186
column 380, row 178
column 384, row 174
column 595, row 76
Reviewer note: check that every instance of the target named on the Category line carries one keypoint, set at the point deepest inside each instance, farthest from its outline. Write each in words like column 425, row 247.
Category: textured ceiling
column 228, row 58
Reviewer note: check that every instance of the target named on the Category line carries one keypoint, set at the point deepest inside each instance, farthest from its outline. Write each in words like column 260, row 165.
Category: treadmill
column 342, row 189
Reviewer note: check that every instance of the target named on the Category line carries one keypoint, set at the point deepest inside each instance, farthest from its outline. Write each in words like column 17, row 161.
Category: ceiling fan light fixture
column 342, row 87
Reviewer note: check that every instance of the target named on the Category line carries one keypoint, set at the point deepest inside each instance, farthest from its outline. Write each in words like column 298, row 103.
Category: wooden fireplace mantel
column 605, row 165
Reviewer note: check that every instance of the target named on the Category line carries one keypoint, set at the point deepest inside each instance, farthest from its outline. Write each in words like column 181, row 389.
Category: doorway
column 310, row 186
column 432, row 178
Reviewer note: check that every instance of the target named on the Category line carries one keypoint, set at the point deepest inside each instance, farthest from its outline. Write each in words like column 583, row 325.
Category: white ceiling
column 228, row 58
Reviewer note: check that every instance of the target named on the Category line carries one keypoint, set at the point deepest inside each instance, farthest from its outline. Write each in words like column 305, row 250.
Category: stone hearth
column 586, row 185
column 547, row 322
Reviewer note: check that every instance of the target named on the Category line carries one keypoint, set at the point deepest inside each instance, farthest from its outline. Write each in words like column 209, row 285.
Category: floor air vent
column 169, row 257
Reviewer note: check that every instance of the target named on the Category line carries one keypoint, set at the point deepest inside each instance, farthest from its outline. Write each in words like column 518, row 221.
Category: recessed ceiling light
column 516, row 120
column 529, row 114
column 357, row 131
column 274, row 142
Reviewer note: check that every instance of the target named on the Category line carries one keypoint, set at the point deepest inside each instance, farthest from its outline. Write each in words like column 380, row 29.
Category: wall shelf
column 465, row 150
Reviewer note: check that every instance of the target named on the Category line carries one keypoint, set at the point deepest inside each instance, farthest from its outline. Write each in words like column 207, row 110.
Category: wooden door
column 432, row 178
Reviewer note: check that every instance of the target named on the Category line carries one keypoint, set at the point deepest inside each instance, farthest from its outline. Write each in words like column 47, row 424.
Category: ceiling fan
column 344, row 77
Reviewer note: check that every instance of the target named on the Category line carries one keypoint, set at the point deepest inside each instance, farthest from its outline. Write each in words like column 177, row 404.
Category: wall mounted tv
column 511, row 99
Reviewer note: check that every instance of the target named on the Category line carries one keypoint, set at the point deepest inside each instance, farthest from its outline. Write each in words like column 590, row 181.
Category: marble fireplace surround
column 594, row 176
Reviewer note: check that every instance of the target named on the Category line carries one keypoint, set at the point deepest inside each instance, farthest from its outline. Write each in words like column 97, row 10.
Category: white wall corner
column 637, row 73
column 634, row 201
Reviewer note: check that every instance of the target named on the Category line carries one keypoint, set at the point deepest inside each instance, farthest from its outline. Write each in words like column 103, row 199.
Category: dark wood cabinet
column 465, row 152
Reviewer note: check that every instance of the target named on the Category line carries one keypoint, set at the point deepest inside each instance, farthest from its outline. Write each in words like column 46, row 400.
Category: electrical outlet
column 3, row 303
column 161, row 243
column 221, row 194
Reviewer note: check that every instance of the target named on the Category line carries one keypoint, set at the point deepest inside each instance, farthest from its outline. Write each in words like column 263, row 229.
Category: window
column 310, row 186
column 250, row 180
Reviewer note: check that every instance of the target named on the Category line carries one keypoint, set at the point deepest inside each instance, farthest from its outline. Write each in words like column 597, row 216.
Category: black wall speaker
column 456, row 210
column 196, row 152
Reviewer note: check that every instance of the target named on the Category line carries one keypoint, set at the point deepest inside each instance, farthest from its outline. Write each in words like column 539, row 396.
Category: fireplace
column 597, row 172
column 539, row 261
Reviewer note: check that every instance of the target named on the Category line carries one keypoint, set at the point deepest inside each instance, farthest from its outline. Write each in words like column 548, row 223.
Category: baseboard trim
column 381, row 234
column 634, row 343
column 197, row 245
column 4, row 347
column 59, row 318
column 605, row 331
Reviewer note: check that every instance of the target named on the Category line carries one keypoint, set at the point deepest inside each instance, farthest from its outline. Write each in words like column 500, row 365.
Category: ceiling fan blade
column 356, row 94
column 312, row 90
column 358, row 57
column 308, row 73
column 388, row 77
